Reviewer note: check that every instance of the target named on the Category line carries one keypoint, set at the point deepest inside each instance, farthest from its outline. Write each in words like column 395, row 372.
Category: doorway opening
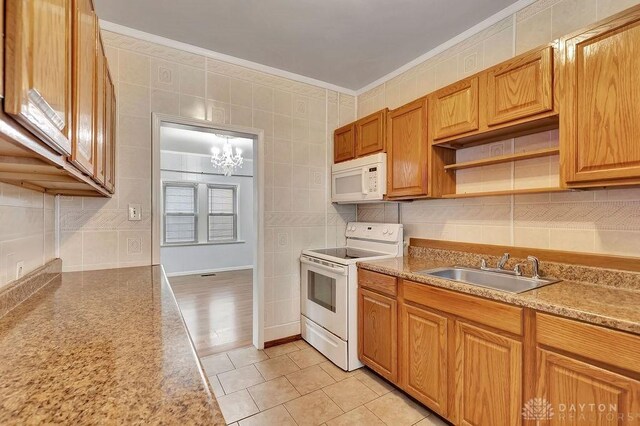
column 208, row 228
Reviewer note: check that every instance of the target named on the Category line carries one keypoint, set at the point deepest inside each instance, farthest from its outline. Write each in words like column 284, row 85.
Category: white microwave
column 361, row 180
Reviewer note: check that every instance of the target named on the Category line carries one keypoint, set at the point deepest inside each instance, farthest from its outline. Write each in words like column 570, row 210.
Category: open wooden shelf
column 507, row 192
column 547, row 152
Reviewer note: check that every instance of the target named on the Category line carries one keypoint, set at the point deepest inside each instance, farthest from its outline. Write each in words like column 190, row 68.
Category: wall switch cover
column 135, row 212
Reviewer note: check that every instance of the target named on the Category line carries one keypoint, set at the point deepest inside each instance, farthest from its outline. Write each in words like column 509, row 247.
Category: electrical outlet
column 19, row 269
column 135, row 212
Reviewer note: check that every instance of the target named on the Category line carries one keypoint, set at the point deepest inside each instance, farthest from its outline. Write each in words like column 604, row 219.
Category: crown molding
column 493, row 19
column 163, row 41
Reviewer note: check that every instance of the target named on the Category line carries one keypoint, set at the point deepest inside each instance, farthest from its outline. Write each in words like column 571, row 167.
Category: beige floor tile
column 397, row 409
column 272, row 393
column 432, row 420
column 276, row 367
column 281, row 349
column 235, row 380
column 374, row 382
column 237, row 406
column 313, row 409
column 310, row 379
column 336, row 372
column 307, row 357
column 302, row 344
column 350, row 393
column 246, row 356
column 361, row 416
column 216, row 364
column 276, row 416
column 216, row 386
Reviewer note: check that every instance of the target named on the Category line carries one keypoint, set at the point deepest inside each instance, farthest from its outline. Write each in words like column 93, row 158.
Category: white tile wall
column 27, row 230
column 298, row 122
column 604, row 221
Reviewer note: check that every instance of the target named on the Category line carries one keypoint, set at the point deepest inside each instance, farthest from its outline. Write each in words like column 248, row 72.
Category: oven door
column 324, row 291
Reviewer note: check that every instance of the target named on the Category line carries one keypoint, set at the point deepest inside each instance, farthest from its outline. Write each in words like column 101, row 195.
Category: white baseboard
column 209, row 271
column 281, row 331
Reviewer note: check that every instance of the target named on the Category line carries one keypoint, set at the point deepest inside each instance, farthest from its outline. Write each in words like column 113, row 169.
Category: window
column 223, row 217
column 180, row 213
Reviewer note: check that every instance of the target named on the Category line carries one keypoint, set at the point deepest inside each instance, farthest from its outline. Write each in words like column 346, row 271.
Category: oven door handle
column 335, row 270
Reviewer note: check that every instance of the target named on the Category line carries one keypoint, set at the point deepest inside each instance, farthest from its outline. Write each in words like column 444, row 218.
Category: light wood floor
column 218, row 309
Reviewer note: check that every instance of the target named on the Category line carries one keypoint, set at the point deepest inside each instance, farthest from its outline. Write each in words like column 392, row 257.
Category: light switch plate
column 135, row 212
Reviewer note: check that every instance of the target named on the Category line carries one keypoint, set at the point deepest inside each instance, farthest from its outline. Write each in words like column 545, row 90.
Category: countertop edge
column 203, row 374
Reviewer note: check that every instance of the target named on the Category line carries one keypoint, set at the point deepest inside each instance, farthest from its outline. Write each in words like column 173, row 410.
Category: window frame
column 234, row 188
column 196, row 210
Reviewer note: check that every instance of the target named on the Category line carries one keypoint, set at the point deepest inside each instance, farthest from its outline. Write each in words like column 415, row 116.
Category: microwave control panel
column 373, row 179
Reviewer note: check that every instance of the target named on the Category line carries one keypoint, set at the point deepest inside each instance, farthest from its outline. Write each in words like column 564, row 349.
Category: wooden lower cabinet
column 423, row 367
column 488, row 377
column 582, row 393
column 377, row 335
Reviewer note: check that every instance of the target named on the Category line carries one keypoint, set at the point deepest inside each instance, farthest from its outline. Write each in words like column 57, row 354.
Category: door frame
column 258, row 201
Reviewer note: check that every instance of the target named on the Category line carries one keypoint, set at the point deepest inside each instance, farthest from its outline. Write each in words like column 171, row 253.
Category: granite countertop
column 615, row 307
column 102, row 347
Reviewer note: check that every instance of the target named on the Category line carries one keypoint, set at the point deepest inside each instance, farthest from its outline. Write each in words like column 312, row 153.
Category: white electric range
column 329, row 289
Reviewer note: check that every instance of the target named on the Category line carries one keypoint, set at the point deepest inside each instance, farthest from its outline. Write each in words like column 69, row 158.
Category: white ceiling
column 195, row 140
column 348, row 43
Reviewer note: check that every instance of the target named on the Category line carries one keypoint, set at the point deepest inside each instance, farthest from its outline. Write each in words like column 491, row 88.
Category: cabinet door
column 488, row 379
column 377, row 333
column 38, row 68
column 579, row 386
column 600, row 130
column 100, row 123
column 454, row 109
column 84, row 67
column 407, row 150
column 110, row 135
column 520, row 88
column 370, row 134
column 344, row 143
column 424, row 357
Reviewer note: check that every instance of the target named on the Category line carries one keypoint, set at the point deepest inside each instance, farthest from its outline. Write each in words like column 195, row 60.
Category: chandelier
column 228, row 159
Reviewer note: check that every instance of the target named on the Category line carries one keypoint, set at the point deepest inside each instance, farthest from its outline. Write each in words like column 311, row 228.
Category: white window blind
column 180, row 213
column 222, row 213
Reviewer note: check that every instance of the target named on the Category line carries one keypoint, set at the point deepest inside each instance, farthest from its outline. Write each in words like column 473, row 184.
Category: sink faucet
column 535, row 267
column 503, row 261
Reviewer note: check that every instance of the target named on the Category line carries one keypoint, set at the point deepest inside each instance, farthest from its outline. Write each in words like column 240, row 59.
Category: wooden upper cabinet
column 407, row 150
column 377, row 333
column 600, row 129
column 371, row 133
column 488, row 377
column 100, row 123
column 454, row 109
column 520, row 88
column 424, row 357
column 38, row 68
column 84, row 74
column 344, row 143
column 110, row 134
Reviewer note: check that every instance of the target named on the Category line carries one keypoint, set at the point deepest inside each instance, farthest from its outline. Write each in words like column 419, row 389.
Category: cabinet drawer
column 378, row 282
column 612, row 347
column 482, row 311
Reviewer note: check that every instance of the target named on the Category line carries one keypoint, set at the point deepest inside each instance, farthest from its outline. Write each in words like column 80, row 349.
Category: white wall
column 27, row 226
column 193, row 259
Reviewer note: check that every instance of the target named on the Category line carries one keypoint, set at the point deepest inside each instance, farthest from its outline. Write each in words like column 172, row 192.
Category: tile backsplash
column 27, row 230
column 599, row 221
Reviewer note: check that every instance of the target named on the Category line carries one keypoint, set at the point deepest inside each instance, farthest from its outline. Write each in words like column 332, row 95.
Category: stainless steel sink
column 495, row 280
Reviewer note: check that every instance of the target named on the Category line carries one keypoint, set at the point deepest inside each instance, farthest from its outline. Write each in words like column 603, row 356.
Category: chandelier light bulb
column 227, row 160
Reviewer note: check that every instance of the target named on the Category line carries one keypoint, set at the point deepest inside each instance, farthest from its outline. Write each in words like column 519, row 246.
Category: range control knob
column 385, row 231
column 390, row 231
